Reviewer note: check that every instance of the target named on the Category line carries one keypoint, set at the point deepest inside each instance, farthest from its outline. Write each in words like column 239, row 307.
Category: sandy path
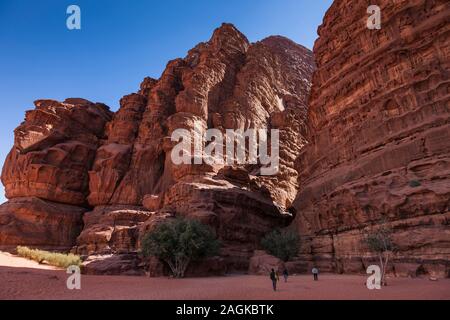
column 29, row 283
column 9, row 260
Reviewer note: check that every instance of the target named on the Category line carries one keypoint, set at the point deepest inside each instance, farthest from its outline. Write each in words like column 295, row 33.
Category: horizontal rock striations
column 225, row 83
column 379, row 151
column 46, row 173
column 119, row 168
column 364, row 143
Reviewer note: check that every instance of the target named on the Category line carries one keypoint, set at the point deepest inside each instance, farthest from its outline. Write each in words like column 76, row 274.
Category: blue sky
column 120, row 43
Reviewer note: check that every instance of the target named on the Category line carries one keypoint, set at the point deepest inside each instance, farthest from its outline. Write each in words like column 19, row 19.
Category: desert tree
column 179, row 242
column 283, row 244
column 380, row 242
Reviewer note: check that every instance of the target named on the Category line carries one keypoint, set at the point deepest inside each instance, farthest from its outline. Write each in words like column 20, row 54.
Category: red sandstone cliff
column 119, row 168
column 379, row 136
column 46, row 173
column 378, row 151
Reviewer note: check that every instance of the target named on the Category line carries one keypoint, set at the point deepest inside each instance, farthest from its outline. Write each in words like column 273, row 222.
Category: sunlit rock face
column 379, row 134
column 54, row 149
column 34, row 222
column 225, row 83
column 46, row 173
column 118, row 167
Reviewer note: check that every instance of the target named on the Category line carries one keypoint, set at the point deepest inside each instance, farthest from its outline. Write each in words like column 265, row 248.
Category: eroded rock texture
column 225, row 83
column 379, row 149
column 46, row 173
column 121, row 169
column 39, row 223
column 53, row 151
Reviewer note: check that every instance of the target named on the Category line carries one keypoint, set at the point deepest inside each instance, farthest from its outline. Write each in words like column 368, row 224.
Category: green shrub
column 282, row 244
column 51, row 258
column 414, row 184
column 178, row 242
column 380, row 242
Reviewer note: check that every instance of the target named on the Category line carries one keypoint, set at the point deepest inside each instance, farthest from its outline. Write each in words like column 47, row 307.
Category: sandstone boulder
column 118, row 264
column 261, row 263
column 111, row 229
column 39, row 223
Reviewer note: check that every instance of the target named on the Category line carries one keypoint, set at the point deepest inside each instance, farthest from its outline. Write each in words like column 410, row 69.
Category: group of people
column 275, row 278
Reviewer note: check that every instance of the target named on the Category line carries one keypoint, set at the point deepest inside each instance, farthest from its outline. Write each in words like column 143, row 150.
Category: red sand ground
column 23, row 279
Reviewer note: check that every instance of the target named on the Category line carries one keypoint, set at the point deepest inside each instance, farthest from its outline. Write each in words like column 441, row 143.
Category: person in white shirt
column 315, row 273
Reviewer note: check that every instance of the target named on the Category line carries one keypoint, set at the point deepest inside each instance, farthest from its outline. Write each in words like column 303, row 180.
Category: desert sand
column 9, row 260
column 23, row 279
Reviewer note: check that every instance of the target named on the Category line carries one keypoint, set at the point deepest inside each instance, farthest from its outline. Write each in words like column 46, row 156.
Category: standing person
column 274, row 278
column 315, row 273
column 285, row 274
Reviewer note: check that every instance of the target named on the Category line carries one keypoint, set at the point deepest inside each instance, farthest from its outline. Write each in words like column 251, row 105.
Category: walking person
column 274, row 278
column 285, row 274
column 315, row 273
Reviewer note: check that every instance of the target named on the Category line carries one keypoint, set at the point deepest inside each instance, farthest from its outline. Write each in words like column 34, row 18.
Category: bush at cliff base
column 179, row 242
column 282, row 244
column 51, row 258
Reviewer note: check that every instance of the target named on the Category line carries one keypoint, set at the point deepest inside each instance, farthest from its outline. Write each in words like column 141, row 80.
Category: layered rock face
column 225, row 83
column 53, row 151
column 34, row 222
column 120, row 167
column 46, row 173
column 372, row 150
column 379, row 151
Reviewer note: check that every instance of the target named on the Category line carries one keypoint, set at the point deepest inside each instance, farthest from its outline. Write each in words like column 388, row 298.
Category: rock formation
column 53, row 151
column 46, row 173
column 379, row 151
column 226, row 83
column 118, row 167
column 262, row 264
column 367, row 146
column 34, row 222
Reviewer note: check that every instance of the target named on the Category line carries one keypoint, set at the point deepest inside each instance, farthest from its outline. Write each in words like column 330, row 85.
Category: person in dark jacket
column 274, row 278
column 285, row 274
